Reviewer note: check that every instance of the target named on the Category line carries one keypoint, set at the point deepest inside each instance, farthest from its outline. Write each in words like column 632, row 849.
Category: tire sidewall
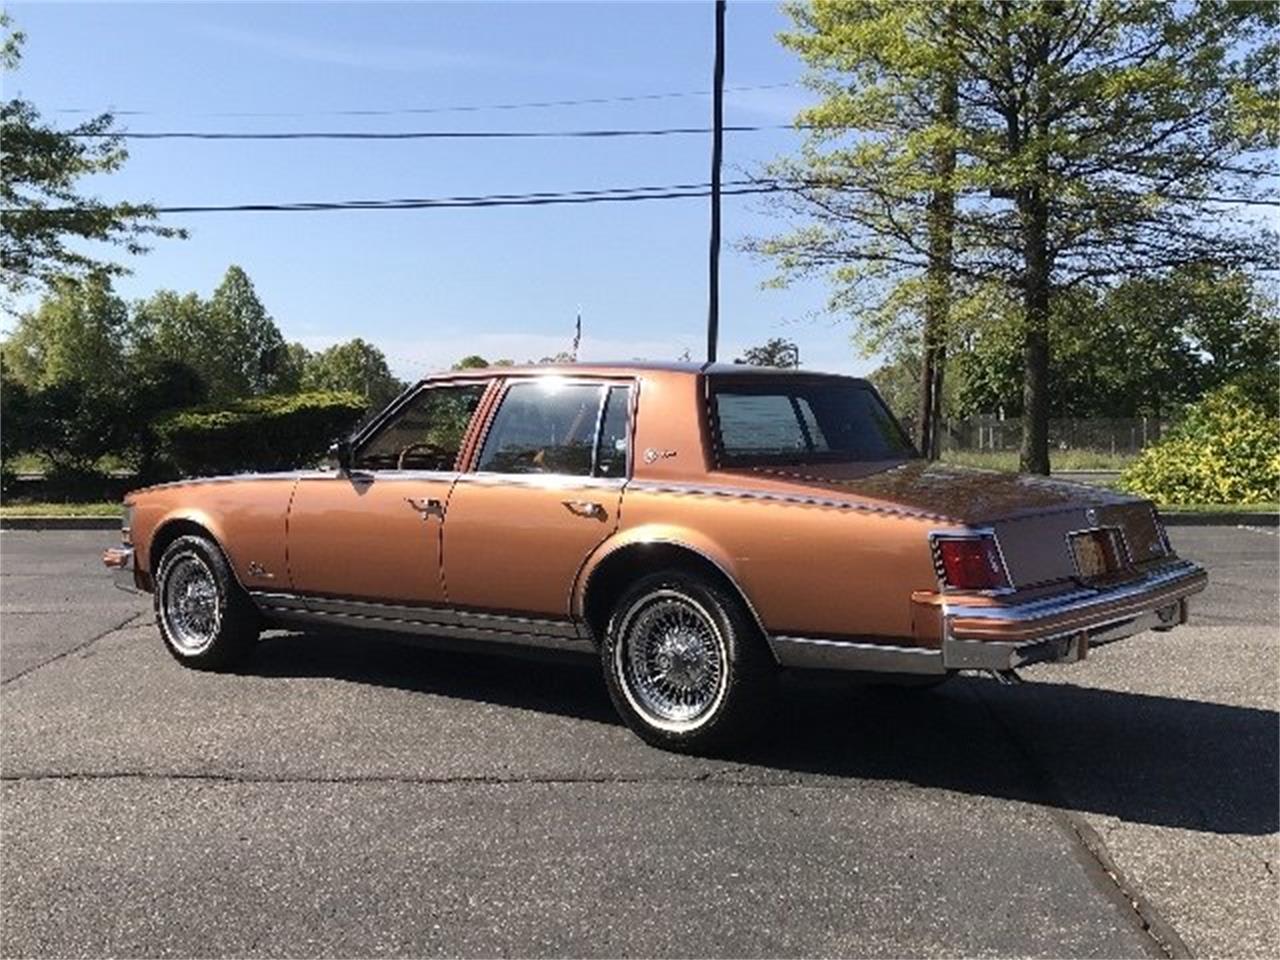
column 742, row 652
column 217, row 652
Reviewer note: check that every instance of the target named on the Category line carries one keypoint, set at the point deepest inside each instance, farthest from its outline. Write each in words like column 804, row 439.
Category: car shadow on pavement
column 1145, row 759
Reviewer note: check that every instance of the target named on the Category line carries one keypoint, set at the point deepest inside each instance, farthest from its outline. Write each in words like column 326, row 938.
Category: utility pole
column 717, row 153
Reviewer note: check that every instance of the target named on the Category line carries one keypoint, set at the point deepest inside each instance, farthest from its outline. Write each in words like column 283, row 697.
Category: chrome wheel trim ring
column 190, row 606
column 671, row 661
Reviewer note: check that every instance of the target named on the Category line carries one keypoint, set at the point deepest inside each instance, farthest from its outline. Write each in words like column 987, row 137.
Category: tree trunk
column 1034, row 456
column 1033, row 208
column 940, row 223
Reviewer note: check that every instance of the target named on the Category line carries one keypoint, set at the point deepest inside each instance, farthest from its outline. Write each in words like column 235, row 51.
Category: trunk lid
column 1034, row 517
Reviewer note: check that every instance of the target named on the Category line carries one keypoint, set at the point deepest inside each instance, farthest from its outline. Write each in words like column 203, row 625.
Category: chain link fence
column 1118, row 436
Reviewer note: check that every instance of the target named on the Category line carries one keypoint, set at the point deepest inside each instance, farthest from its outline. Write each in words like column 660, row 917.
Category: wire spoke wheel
column 672, row 660
column 190, row 605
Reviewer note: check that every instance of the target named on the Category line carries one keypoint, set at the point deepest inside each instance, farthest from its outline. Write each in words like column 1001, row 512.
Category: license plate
column 1097, row 553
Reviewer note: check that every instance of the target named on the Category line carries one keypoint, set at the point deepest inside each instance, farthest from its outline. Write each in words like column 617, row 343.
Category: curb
column 1220, row 519
column 60, row 523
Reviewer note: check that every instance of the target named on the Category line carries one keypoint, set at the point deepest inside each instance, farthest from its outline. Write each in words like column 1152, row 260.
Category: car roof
column 687, row 368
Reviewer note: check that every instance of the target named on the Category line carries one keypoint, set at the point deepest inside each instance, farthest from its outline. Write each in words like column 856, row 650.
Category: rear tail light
column 971, row 563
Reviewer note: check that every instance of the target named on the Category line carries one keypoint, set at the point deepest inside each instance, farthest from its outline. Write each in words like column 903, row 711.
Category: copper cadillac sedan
column 701, row 527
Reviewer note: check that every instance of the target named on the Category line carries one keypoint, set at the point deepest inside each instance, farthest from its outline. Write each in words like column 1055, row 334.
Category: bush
column 1227, row 450
column 262, row 433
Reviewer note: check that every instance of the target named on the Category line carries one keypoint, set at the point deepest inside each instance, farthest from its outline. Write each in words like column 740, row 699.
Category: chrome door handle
column 426, row 506
column 586, row 508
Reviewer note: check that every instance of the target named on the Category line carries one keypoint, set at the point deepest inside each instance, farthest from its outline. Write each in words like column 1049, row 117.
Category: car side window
column 426, row 433
column 611, row 458
column 543, row 426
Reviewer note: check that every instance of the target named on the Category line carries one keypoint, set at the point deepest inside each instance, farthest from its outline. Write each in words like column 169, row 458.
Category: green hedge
column 262, row 433
column 1227, row 450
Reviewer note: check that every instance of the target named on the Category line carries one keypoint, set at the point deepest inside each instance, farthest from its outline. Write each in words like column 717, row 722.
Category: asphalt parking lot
column 367, row 798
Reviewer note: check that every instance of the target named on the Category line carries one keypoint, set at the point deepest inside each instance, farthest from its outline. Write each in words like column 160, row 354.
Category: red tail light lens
column 972, row 563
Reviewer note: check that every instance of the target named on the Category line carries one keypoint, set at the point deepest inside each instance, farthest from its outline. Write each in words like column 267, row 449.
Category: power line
column 622, row 195
column 422, row 134
column 678, row 191
column 419, row 111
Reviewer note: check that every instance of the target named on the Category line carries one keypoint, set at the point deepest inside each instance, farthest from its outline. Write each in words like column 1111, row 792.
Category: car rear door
column 544, row 492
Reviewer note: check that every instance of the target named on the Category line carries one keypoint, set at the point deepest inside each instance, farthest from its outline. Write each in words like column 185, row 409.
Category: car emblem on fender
column 653, row 455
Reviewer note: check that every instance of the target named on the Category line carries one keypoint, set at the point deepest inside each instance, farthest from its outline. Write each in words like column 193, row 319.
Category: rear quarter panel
column 808, row 570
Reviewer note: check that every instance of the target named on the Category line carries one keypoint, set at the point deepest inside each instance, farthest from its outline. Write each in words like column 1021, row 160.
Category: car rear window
column 799, row 421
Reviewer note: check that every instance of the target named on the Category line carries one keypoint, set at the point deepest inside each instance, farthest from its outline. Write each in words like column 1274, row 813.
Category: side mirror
column 340, row 455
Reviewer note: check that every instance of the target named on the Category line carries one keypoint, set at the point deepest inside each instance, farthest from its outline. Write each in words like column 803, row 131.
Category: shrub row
column 261, row 433
column 1227, row 450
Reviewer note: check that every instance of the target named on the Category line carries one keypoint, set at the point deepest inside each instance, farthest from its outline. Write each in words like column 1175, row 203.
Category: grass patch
column 89, row 509
column 1220, row 508
column 1059, row 460
column 35, row 463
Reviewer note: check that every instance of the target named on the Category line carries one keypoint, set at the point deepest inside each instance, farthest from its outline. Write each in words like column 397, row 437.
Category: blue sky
column 431, row 286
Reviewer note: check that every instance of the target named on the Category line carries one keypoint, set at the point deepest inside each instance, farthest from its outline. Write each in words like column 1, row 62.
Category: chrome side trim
column 387, row 616
column 743, row 493
column 1081, row 601
column 813, row 654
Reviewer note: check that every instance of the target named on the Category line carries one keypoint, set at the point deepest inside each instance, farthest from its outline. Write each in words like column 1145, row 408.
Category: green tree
column 75, row 390
column 40, row 167
column 472, row 361
column 241, row 321
column 355, row 367
column 1146, row 346
column 76, row 333
column 1092, row 142
column 289, row 365
column 899, row 379
column 230, row 339
column 775, row 352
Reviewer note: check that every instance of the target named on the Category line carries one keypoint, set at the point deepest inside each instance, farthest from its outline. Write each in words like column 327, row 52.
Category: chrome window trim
column 714, row 377
column 371, row 429
column 604, row 384
column 632, row 391
column 550, row 481
column 969, row 533
column 386, row 476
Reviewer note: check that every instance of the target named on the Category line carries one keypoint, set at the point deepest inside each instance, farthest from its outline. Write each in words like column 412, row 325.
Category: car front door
column 544, row 492
column 372, row 533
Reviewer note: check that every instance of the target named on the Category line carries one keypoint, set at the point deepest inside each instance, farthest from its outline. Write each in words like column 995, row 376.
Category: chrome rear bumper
column 1003, row 636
